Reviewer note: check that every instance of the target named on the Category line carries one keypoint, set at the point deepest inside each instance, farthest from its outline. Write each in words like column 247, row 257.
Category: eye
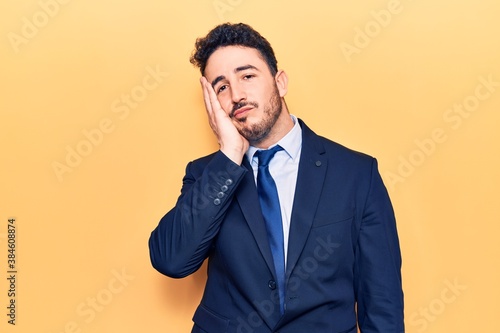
column 248, row 76
column 222, row 88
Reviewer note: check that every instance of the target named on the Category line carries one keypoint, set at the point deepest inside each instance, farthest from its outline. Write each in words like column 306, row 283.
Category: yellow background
column 388, row 96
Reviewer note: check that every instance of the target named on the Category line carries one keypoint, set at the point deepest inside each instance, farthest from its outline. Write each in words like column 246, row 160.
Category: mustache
column 240, row 105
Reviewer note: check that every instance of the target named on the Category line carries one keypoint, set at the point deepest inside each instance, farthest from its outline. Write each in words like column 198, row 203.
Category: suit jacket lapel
column 248, row 200
column 310, row 179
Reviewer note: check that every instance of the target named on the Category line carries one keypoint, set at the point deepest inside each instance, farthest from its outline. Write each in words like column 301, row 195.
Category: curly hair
column 228, row 34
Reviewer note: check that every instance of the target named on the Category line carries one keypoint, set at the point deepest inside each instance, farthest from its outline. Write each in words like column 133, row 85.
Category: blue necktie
column 270, row 204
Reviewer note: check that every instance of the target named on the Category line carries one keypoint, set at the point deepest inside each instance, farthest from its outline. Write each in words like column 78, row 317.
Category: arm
column 378, row 264
column 181, row 241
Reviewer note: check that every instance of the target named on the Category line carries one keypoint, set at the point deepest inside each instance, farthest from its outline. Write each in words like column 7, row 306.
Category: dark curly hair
column 228, row 34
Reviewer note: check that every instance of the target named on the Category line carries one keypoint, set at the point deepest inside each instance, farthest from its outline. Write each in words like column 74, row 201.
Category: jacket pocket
column 321, row 221
column 210, row 321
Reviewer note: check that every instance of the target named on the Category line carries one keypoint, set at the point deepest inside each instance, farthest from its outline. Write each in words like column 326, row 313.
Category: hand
column 231, row 142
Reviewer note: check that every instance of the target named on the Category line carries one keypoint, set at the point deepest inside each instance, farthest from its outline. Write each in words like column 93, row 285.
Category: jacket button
column 217, row 201
column 272, row 284
column 229, row 182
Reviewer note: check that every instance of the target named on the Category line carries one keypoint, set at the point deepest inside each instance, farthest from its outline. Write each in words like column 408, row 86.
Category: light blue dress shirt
column 283, row 168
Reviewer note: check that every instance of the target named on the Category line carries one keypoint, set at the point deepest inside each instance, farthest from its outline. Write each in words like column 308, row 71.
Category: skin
column 244, row 101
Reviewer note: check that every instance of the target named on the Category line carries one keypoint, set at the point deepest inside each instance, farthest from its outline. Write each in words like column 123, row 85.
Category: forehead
column 226, row 59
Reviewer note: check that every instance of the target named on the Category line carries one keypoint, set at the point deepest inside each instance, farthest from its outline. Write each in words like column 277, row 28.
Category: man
column 299, row 231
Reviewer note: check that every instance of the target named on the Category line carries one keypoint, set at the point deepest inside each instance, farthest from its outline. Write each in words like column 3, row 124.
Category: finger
column 217, row 116
column 208, row 105
column 216, row 108
column 211, row 102
column 206, row 96
column 214, row 102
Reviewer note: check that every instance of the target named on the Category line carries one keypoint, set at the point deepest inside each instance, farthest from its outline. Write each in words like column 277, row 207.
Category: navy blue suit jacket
column 344, row 262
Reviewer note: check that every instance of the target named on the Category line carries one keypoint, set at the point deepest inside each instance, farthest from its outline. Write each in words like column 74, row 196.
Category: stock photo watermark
column 324, row 249
column 424, row 316
column 364, row 35
column 221, row 7
column 88, row 310
column 121, row 107
column 453, row 118
column 12, row 270
column 32, row 24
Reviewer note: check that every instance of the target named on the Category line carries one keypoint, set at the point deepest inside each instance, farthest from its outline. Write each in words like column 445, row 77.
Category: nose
column 237, row 93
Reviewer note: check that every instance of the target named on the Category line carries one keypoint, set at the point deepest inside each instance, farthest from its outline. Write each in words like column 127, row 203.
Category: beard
column 256, row 133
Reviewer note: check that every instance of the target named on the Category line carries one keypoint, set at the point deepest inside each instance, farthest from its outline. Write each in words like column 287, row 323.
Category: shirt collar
column 291, row 142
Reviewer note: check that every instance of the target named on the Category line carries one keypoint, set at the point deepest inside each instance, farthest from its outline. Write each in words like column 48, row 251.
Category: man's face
column 246, row 90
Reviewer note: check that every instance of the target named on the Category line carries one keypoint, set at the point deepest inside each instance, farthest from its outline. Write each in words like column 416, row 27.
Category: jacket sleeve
column 378, row 263
column 182, row 240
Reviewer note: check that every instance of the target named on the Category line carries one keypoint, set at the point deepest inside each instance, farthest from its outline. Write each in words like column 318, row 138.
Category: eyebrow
column 236, row 70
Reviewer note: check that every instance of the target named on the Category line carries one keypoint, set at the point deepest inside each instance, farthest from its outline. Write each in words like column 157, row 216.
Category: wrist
column 234, row 154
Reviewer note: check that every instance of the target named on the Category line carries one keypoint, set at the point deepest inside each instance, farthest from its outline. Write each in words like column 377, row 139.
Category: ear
column 281, row 80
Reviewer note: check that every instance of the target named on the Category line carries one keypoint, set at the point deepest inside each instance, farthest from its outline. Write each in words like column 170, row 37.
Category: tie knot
column 265, row 156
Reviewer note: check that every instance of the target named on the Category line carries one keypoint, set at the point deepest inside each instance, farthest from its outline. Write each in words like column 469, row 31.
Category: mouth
column 241, row 112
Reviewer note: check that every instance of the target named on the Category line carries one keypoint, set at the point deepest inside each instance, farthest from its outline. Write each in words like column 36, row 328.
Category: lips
column 242, row 111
